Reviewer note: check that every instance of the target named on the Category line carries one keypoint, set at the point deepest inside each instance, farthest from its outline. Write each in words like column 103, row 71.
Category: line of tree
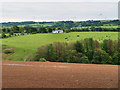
column 83, row 51
column 100, row 29
column 15, row 30
column 32, row 30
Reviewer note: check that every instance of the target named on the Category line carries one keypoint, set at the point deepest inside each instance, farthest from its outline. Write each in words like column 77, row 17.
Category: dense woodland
column 83, row 51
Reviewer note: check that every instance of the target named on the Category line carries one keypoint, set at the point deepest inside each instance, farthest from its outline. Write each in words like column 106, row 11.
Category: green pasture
column 27, row 44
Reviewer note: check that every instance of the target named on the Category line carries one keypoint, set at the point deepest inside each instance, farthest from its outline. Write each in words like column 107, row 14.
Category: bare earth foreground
column 18, row 74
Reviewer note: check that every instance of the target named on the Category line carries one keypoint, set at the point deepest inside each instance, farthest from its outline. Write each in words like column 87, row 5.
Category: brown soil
column 19, row 74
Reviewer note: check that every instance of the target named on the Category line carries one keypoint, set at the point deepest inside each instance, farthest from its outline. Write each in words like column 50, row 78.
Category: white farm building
column 57, row 31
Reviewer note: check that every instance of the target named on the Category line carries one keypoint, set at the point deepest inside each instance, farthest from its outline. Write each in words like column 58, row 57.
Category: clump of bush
column 42, row 60
column 101, row 57
column 8, row 51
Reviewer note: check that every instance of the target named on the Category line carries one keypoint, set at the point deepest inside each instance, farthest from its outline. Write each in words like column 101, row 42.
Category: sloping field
column 19, row 74
column 27, row 44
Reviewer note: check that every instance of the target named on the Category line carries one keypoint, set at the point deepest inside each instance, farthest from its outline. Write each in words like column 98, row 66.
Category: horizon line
column 58, row 20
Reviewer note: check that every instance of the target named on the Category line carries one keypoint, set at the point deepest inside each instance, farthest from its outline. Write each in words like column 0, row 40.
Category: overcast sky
column 59, row 0
column 55, row 11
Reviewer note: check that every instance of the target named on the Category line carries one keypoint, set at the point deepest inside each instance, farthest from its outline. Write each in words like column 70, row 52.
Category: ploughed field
column 20, row 74
column 27, row 44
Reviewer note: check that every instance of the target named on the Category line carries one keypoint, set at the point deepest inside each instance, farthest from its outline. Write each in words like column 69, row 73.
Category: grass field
column 24, row 45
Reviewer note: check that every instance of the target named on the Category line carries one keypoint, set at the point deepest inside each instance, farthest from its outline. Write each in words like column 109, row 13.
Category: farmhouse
column 57, row 31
